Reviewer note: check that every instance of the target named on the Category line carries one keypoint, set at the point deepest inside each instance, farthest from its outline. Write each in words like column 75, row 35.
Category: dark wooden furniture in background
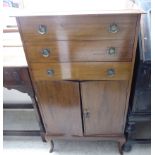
column 16, row 76
column 138, row 126
column 82, row 97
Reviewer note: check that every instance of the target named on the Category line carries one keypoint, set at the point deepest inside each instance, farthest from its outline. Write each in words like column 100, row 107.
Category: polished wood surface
column 133, row 65
column 104, row 101
column 86, row 27
column 78, row 44
column 60, row 107
column 118, row 137
column 81, row 71
column 72, row 51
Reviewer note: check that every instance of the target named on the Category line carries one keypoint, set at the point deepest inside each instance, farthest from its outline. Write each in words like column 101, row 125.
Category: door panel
column 103, row 106
column 59, row 102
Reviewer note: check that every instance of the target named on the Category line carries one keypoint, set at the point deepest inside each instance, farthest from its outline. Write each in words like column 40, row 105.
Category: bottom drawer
column 81, row 71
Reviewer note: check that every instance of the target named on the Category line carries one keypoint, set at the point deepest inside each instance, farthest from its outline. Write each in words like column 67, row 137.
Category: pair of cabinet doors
column 86, row 108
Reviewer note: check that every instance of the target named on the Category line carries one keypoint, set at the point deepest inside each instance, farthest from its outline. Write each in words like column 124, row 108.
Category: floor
column 13, row 144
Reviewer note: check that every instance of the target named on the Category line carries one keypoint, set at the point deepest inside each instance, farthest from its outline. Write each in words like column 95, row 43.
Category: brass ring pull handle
column 42, row 29
column 111, row 72
column 112, row 51
column 113, row 28
column 45, row 52
column 50, row 72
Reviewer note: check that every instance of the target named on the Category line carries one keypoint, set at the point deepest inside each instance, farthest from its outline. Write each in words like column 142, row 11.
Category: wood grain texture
column 81, row 71
column 104, row 100
column 118, row 137
column 77, row 42
column 76, row 51
column 86, row 27
column 60, row 106
column 133, row 65
column 18, row 78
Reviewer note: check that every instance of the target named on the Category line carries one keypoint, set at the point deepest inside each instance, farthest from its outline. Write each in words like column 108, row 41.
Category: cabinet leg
column 43, row 137
column 52, row 146
column 120, row 146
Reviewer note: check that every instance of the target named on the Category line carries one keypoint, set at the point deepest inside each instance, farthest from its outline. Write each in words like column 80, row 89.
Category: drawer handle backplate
column 112, row 51
column 113, row 28
column 111, row 72
column 45, row 52
column 42, row 29
column 50, row 72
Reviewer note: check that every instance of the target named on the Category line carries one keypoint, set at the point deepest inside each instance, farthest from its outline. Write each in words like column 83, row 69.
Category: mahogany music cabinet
column 81, row 63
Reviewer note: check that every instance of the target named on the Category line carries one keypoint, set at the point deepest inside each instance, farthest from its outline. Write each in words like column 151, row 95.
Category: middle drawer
column 72, row 51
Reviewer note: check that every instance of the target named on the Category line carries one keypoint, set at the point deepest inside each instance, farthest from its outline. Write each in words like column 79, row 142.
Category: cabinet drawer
column 76, row 27
column 81, row 71
column 71, row 51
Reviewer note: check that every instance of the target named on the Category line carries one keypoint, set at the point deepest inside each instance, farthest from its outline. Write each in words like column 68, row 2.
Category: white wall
column 14, row 96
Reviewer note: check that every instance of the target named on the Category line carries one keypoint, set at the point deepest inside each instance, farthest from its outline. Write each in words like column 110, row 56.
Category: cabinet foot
column 52, row 146
column 127, row 147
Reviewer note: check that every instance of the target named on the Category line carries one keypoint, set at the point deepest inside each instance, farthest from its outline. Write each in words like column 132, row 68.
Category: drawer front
column 81, row 71
column 76, row 27
column 71, row 51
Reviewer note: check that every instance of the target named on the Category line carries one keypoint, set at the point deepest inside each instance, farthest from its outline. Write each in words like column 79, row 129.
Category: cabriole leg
column 120, row 145
column 52, row 146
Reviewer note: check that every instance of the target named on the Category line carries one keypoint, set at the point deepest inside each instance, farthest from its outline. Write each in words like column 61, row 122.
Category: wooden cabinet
column 81, row 66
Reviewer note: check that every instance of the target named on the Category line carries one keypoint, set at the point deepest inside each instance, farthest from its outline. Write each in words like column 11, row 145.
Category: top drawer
column 75, row 27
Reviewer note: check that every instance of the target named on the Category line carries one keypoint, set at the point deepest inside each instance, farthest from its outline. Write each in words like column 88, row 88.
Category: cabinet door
column 103, row 106
column 59, row 103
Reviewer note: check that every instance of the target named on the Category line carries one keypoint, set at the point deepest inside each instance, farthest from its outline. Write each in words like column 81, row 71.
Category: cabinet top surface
column 79, row 7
